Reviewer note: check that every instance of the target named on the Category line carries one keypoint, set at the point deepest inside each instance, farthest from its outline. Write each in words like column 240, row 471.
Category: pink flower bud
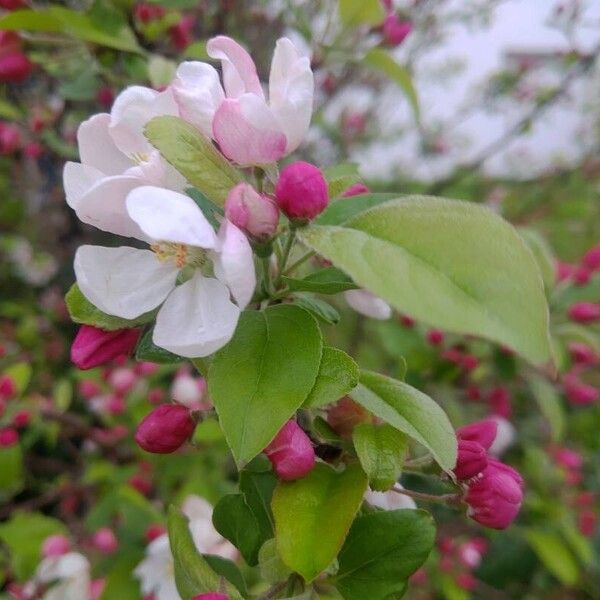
column 406, row 321
column 8, row 387
column 564, row 270
column 146, row 12
column 584, row 312
column 579, row 393
column 15, row 68
column 165, row 429
column 97, row 588
column 591, row 259
column 469, row 362
column 146, row 369
column 495, row 497
column 582, row 276
column 291, row 452
column 301, row 191
column 473, row 393
column 88, row 388
column 105, row 541
column 356, row 190
column 583, row 354
column 33, row 150
column 55, row 545
column 211, row 596
column 115, row 405
column 395, row 30
column 254, row 213
column 466, row 581
column 10, row 138
column 10, row 42
column 154, row 531
column 471, row 460
column 12, row 4
column 500, row 402
column 105, row 96
column 587, row 522
column 21, row 419
column 569, row 459
column 8, row 437
column 122, row 380
column 93, row 347
column 482, row 432
column 181, row 33
column 435, row 337
column 156, row 396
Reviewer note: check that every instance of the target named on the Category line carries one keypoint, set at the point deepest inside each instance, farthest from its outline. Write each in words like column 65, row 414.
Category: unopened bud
column 291, row 452
column 105, row 541
column 10, row 138
column 471, row 460
column 584, row 312
column 591, row 259
column 395, row 30
column 55, row 545
column 8, row 387
column 578, row 392
column 93, row 347
column 254, row 213
column 482, row 432
column 8, row 437
column 15, row 68
column 165, row 429
column 356, row 190
column 301, row 191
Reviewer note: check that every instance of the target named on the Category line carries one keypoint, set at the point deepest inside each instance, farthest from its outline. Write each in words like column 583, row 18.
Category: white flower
column 156, row 571
column 70, row 574
column 366, row 303
column 197, row 317
column 249, row 129
column 116, row 158
column 389, row 500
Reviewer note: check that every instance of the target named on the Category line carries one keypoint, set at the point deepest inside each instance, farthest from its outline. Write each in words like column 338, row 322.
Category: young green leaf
column 361, row 12
column 381, row 450
column 11, row 471
column 228, row 569
column 382, row 550
column 325, row 281
column 410, row 411
column 451, row 264
column 194, row 156
column 338, row 374
column 264, row 375
column 257, row 487
column 340, row 211
column 313, row 516
column 319, row 308
column 147, row 350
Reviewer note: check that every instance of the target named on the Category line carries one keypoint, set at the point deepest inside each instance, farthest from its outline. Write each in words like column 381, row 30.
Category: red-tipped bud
column 15, row 68
column 8, row 437
column 154, row 531
column 21, row 419
column 10, row 138
column 165, row 429
column 181, row 33
column 55, row 545
column 291, row 452
column 356, row 190
column 495, row 497
column 395, row 29
column 146, row 12
column 33, row 150
column 469, row 362
column 301, row 191
column 579, row 393
column 105, row 96
column 211, row 596
column 472, row 459
column 122, row 380
column 105, row 541
column 591, row 259
column 569, row 459
column 500, row 402
column 254, row 213
column 585, row 312
column 483, row 432
column 583, row 354
column 93, row 347
column 12, row 4
column 8, row 387
column 435, row 337
column 563, row 270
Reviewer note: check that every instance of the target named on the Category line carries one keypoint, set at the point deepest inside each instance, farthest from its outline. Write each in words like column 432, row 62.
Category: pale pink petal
column 157, row 171
column 291, row 92
column 247, row 132
column 168, row 216
column 368, row 304
column 197, row 318
column 239, row 70
column 79, row 179
column 97, row 148
column 125, row 282
column 234, row 264
column 103, row 206
column 198, row 93
column 132, row 109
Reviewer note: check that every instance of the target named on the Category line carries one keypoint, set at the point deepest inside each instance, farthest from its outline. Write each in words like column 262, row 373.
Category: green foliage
column 11, row 471
column 147, row 350
column 381, row 450
column 324, row 281
column 20, row 373
column 340, row 178
column 313, row 516
column 264, row 375
column 469, row 271
column 319, row 308
column 410, row 411
column 382, row 550
column 550, row 405
column 361, row 12
column 194, row 156
column 552, row 551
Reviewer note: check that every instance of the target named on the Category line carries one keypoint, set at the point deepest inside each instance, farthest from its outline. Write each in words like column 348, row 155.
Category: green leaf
column 451, row 264
column 11, row 471
column 409, row 411
column 84, row 312
column 235, row 521
column 265, row 373
column 228, row 569
column 193, row 575
column 340, row 178
column 9, row 111
column 161, row 71
column 361, row 12
column 20, row 373
column 209, row 209
column 381, row 450
column 147, row 350
column 313, row 516
column 338, row 375
column 319, row 308
column 543, row 255
column 325, row 281
column 573, row 332
column 62, row 394
column 194, row 156
column 382, row 550
column 271, row 566
column 555, row 555
column 24, row 534
column 257, row 487
column 384, row 62
column 340, row 211
column 197, row 50
column 550, row 404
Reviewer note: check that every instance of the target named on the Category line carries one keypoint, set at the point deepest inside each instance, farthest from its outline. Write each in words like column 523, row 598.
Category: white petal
column 505, row 436
column 98, row 149
column 234, row 264
column 79, row 179
column 198, row 93
column 197, row 318
column 389, row 500
column 61, row 567
column 103, row 206
column 239, row 70
column 168, row 216
column 132, row 109
column 368, row 304
column 123, row 281
column 291, row 91
column 157, row 171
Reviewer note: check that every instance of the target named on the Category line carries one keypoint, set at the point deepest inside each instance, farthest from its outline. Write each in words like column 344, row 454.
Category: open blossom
column 249, row 128
column 70, row 575
column 116, row 158
column 389, row 500
column 195, row 318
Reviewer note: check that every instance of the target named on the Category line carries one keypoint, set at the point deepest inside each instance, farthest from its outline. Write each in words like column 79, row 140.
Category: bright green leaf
column 550, row 404
column 411, row 412
column 543, row 255
column 340, row 211
column 340, row 178
column 319, row 308
column 313, row 516
column 271, row 566
column 325, row 281
column 20, row 373
column 361, row 12
column 555, row 555
column 228, row 569
column 11, row 471
column 451, row 264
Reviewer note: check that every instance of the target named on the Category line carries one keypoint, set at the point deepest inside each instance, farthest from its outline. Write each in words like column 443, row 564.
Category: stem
column 289, row 242
column 422, row 461
column 443, row 499
column 265, row 264
column 301, row 260
column 273, row 591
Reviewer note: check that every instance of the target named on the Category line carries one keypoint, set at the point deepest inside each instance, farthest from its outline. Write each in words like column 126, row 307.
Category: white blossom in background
column 389, row 500
column 69, row 575
column 366, row 303
column 505, row 437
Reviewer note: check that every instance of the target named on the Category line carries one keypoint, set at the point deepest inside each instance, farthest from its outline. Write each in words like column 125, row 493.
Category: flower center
column 139, row 158
column 181, row 254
